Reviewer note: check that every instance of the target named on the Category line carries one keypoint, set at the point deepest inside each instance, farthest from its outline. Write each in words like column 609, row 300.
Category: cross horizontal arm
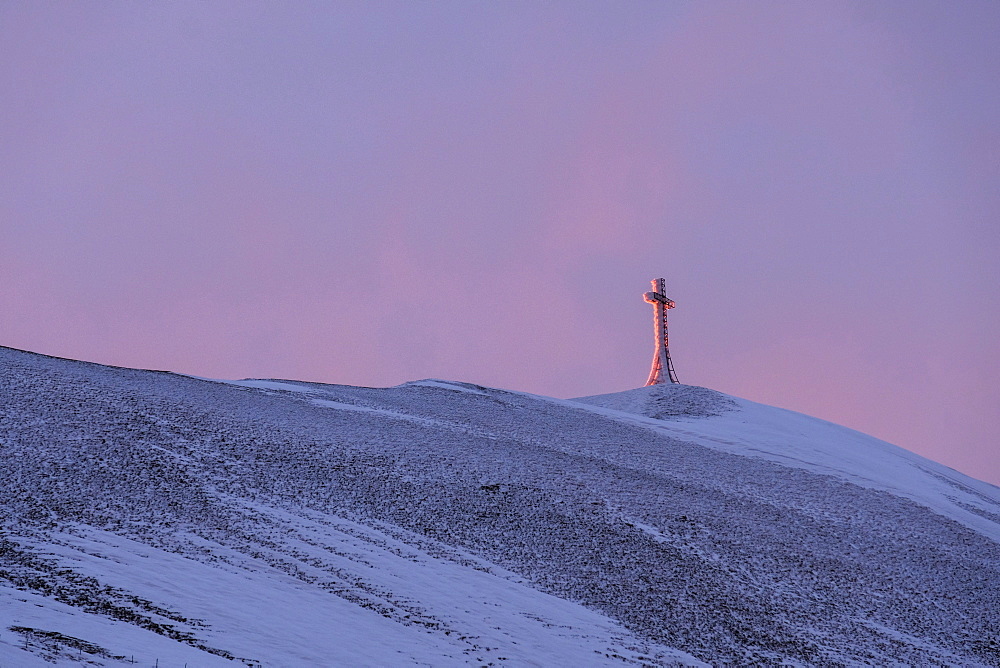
column 656, row 297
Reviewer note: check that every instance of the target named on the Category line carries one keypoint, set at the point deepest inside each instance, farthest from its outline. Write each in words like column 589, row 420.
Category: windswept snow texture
column 796, row 440
column 280, row 523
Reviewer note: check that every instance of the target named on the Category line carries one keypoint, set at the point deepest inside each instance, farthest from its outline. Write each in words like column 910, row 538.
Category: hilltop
column 282, row 523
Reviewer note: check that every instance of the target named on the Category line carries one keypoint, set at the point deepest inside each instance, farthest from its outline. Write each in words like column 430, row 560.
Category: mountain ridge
column 400, row 514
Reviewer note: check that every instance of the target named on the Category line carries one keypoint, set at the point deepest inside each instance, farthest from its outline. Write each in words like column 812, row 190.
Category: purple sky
column 370, row 193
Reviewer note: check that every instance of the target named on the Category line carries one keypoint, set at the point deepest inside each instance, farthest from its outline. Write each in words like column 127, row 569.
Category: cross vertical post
column 663, row 368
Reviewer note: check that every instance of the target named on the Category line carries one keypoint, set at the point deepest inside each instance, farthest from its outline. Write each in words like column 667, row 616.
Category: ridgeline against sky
column 270, row 191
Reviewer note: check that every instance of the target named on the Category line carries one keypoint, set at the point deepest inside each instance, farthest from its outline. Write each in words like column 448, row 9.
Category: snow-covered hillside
column 159, row 517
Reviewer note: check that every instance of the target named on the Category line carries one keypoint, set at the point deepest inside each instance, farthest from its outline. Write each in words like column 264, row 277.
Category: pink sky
column 370, row 193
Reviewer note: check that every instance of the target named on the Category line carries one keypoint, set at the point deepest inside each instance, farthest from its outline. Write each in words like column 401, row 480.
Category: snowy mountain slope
column 442, row 523
column 330, row 594
column 792, row 439
column 283, row 587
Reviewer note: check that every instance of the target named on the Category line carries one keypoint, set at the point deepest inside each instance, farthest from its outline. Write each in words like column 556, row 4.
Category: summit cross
column 663, row 369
